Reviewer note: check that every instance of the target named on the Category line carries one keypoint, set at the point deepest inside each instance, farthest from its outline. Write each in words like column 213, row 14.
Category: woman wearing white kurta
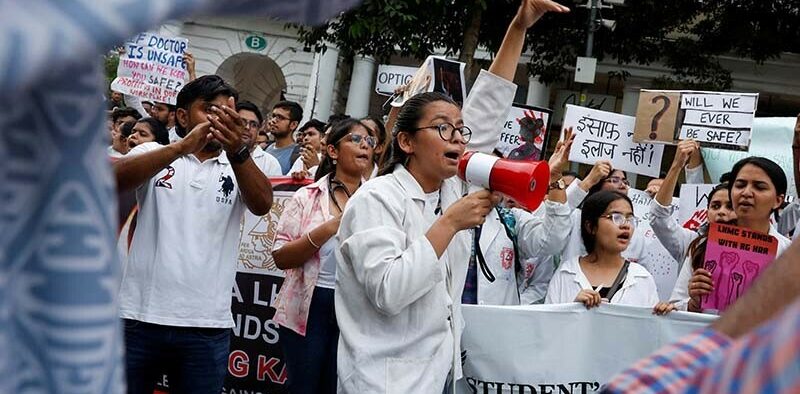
column 607, row 225
column 402, row 258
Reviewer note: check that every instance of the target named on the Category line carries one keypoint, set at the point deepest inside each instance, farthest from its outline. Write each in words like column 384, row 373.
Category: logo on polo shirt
column 162, row 182
column 225, row 188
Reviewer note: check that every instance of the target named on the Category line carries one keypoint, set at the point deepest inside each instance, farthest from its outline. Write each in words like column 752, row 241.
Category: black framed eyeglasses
column 371, row 141
column 447, row 131
column 620, row 219
column 615, row 180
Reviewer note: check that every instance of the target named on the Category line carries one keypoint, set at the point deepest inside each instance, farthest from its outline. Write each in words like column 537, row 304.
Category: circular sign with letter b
column 255, row 43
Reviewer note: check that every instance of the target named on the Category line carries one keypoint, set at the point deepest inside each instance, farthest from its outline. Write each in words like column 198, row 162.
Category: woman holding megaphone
column 403, row 252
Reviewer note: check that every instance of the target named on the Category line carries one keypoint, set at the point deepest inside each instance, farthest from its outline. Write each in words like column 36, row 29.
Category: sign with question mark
column 657, row 116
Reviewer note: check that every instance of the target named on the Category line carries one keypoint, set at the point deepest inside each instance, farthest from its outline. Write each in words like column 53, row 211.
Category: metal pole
column 591, row 27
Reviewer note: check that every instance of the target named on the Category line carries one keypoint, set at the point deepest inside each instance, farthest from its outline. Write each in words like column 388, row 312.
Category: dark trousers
column 311, row 359
column 194, row 359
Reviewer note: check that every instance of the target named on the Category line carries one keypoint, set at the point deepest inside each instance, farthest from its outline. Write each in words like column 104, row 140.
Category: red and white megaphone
column 524, row 181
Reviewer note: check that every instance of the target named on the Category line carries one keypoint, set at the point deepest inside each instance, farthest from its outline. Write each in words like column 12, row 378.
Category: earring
column 334, row 161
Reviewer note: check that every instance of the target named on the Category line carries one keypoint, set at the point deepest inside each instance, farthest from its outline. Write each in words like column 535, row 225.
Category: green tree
column 686, row 35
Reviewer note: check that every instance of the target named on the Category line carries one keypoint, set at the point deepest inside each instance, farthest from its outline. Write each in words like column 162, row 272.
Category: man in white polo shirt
column 175, row 296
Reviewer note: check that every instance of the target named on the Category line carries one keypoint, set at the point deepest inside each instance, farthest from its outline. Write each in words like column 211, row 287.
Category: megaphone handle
column 479, row 255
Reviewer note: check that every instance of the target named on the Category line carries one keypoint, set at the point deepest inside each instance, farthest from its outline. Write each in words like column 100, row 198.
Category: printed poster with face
column 525, row 133
column 436, row 74
column 735, row 256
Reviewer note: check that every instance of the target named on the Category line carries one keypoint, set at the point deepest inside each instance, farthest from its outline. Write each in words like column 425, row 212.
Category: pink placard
column 735, row 256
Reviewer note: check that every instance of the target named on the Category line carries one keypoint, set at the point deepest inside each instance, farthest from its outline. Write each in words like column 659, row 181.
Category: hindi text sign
column 601, row 135
column 153, row 68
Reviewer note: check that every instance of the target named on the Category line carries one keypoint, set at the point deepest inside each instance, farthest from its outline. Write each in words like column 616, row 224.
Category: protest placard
column 734, row 257
column 525, row 132
column 719, row 119
column 657, row 116
column 436, row 74
column 392, row 77
column 152, row 68
column 657, row 261
column 601, row 135
column 693, row 208
column 771, row 138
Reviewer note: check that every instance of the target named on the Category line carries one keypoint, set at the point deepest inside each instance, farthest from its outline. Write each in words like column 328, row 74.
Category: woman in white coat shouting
column 403, row 254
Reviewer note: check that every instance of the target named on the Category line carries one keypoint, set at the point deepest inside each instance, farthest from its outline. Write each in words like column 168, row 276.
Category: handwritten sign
column 735, row 256
column 771, row 138
column 392, row 77
column 657, row 261
column 525, row 132
column 152, row 67
column 657, row 116
column 716, row 118
column 693, row 211
column 605, row 135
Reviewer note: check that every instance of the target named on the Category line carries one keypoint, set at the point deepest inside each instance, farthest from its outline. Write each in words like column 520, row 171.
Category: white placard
column 561, row 348
column 595, row 101
column 693, row 205
column 257, row 236
column 601, row 135
column 718, row 119
column 153, row 67
column 392, row 77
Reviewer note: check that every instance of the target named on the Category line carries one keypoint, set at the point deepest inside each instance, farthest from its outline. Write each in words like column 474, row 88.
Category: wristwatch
column 558, row 185
column 240, row 156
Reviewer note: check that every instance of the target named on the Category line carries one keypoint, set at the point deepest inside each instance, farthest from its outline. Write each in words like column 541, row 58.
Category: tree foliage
column 687, row 36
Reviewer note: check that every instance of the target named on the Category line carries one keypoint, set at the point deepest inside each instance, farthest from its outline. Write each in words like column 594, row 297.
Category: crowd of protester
column 386, row 243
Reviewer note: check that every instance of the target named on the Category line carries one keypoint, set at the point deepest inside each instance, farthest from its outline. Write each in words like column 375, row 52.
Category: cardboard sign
column 392, row 77
column 152, row 67
column 658, row 261
column 437, row 75
column 601, row 135
column 735, row 256
column 693, row 211
column 771, row 138
column 657, row 116
column 525, row 132
column 715, row 119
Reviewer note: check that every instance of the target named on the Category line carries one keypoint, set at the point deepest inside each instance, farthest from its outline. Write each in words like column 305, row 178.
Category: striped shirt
column 763, row 361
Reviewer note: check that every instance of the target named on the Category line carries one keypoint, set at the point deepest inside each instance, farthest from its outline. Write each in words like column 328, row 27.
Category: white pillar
column 360, row 86
column 538, row 93
column 320, row 86
column 630, row 100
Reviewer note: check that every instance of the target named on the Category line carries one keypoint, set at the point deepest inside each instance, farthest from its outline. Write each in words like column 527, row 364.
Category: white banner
column 257, row 236
column 561, row 348
column 607, row 135
column 152, row 67
column 658, row 261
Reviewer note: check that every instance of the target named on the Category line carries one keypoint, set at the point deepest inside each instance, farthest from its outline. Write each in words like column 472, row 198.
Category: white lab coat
column 397, row 304
column 638, row 289
column 543, row 233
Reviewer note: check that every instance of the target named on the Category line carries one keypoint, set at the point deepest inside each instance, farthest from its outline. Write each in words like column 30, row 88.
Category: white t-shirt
column 327, row 266
column 182, row 261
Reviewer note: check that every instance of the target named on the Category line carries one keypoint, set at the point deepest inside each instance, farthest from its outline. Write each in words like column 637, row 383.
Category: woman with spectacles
column 304, row 248
column 403, row 250
column 603, row 274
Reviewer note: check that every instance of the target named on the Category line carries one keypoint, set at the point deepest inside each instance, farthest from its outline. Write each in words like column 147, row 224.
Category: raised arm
column 675, row 239
column 132, row 170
